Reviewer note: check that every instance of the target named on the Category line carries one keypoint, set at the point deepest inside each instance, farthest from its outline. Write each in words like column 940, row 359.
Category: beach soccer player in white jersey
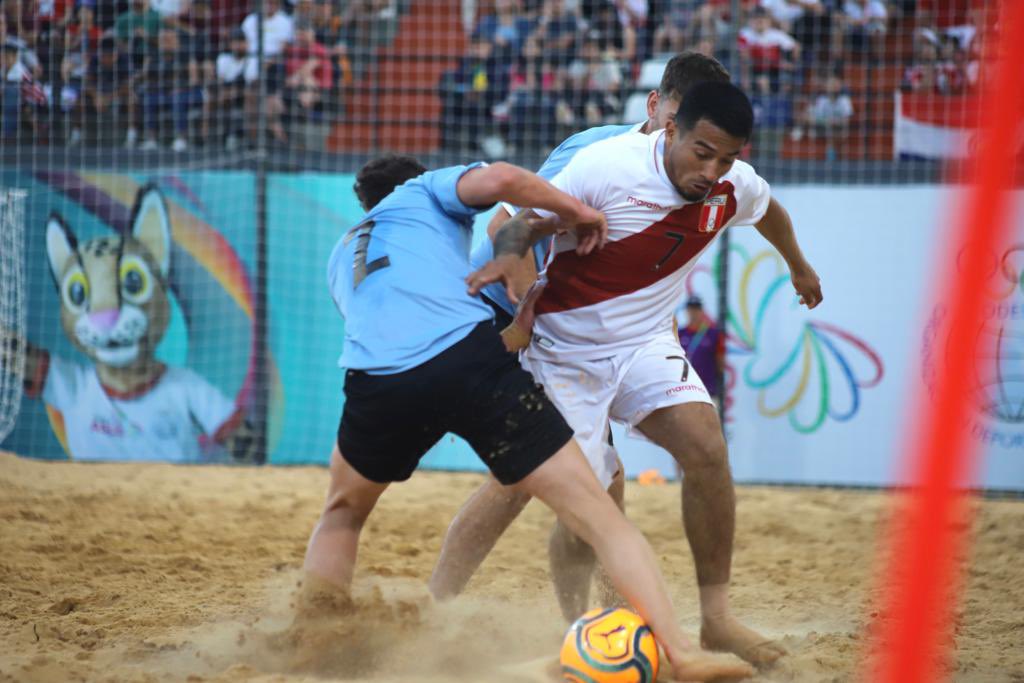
column 462, row 553
column 682, row 72
column 445, row 369
column 603, row 342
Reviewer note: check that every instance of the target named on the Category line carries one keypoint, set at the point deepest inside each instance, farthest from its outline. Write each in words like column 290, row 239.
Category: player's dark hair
column 377, row 178
column 721, row 104
column 687, row 70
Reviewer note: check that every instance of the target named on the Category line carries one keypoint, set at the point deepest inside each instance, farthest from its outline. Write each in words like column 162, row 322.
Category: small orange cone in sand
column 650, row 478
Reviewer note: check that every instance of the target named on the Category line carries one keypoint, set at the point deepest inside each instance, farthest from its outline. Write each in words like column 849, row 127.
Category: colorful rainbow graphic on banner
column 815, row 381
column 110, row 197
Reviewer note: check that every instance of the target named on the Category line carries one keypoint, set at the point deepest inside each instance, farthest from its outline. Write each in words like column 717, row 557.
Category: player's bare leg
column 573, row 563
column 606, row 592
column 566, row 484
column 482, row 520
column 471, row 536
column 331, row 553
column 692, row 433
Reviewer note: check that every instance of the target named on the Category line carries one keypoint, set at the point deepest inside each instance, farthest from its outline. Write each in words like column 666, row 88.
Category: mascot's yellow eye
column 136, row 280
column 75, row 290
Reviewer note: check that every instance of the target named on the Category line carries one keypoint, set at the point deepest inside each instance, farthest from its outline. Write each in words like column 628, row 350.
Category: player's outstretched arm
column 525, row 273
column 777, row 227
column 503, row 182
column 511, row 243
column 516, row 236
column 514, row 185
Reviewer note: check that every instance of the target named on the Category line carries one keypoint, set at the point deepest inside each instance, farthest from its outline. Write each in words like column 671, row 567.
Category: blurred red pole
column 922, row 578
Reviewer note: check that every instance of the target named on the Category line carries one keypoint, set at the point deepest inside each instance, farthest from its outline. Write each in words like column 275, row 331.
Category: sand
column 143, row 573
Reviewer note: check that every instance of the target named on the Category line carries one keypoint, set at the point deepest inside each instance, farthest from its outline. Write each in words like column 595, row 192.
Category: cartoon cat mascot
column 127, row 405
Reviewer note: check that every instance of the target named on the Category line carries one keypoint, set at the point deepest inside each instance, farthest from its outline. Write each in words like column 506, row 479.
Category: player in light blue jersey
column 379, row 276
column 681, row 73
column 423, row 358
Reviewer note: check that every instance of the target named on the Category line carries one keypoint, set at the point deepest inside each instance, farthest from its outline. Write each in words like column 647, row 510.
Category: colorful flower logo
column 801, row 367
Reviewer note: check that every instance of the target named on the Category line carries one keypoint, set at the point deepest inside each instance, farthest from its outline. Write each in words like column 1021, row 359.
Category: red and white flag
column 931, row 126
column 713, row 213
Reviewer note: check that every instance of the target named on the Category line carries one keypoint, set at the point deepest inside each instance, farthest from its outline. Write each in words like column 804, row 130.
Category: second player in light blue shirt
column 552, row 166
column 398, row 276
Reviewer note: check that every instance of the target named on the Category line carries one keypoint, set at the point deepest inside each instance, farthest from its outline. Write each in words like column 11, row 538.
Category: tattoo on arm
column 515, row 237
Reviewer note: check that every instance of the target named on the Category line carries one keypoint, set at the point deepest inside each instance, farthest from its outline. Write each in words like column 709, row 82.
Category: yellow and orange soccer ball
column 610, row 646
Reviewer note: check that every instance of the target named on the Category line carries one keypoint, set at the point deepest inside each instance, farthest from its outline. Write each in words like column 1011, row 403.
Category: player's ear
column 671, row 130
column 652, row 104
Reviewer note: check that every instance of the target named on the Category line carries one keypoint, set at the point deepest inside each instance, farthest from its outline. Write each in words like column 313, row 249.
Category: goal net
column 12, row 306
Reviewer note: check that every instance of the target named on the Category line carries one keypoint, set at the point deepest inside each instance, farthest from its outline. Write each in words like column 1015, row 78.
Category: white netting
column 12, row 306
column 490, row 77
column 253, row 150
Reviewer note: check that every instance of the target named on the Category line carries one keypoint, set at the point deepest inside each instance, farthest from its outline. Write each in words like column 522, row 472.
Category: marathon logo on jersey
column 686, row 387
column 712, row 214
column 644, row 204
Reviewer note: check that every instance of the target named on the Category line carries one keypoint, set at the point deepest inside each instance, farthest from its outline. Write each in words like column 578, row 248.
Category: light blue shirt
column 561, row 156
column 553, row 165
column 398, row 277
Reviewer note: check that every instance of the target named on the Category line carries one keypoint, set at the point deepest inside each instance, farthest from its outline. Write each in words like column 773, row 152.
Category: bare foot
column 727, row 634
column 706, row 666
column 317, row 598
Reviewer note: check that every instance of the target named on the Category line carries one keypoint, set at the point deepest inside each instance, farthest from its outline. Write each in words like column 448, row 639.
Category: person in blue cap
column 704, row 344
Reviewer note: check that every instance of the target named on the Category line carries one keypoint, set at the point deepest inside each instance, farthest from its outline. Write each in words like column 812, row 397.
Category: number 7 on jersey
column 678, row 237
column 360, row 268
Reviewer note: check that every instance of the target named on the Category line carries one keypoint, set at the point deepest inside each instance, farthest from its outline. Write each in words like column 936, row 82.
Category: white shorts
column 625, row 388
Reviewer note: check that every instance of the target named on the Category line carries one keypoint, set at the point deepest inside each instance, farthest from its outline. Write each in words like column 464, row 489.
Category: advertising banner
column 139, row 316
column 827, row 396
column 818, row 397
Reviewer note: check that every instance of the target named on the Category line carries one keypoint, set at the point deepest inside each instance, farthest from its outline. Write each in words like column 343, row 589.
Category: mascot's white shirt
column 165, row 421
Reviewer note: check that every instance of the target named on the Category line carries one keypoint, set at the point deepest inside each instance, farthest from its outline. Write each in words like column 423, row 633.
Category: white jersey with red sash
column 610, row 301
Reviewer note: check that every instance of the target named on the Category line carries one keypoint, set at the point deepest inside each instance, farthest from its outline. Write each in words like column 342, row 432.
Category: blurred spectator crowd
column 179, row 73
column 154, row 73
column 537, row 69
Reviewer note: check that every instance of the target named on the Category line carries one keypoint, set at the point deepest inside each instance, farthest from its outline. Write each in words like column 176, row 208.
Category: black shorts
column 474, row 389
column 502, row 319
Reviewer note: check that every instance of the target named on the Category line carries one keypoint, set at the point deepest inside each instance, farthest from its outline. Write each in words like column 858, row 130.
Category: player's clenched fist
column 807, row 285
